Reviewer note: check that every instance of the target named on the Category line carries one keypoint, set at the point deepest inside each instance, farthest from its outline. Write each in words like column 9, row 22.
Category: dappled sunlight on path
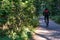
column 50, row 33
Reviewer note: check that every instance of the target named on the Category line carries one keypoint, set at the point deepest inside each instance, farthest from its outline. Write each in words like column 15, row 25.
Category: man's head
column 46, row 8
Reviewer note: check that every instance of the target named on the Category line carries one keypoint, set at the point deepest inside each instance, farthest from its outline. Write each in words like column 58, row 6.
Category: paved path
column 50, row 33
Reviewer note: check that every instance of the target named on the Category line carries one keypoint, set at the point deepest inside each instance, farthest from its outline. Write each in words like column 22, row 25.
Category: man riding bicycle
column 46, row 14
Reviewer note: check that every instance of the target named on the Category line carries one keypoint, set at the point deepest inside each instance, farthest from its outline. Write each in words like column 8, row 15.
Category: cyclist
column 46, row 14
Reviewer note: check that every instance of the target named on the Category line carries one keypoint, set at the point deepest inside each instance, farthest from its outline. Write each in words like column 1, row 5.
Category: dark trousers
column 46, row 18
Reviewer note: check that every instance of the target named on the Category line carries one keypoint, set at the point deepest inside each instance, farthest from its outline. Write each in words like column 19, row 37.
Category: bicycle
column 47, row 22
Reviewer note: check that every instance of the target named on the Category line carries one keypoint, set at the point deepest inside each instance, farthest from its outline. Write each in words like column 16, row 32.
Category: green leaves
column 18, row 16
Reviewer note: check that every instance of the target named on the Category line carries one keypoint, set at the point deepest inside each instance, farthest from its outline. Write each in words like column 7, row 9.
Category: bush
column 56, row 19
column 18, row 16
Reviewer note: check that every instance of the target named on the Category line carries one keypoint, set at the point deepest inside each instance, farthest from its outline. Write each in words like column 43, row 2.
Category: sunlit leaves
column 23, row 4
column 18, row 16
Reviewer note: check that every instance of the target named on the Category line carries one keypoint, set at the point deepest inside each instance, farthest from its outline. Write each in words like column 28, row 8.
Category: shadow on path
column 53, row 30
column 43, row 36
